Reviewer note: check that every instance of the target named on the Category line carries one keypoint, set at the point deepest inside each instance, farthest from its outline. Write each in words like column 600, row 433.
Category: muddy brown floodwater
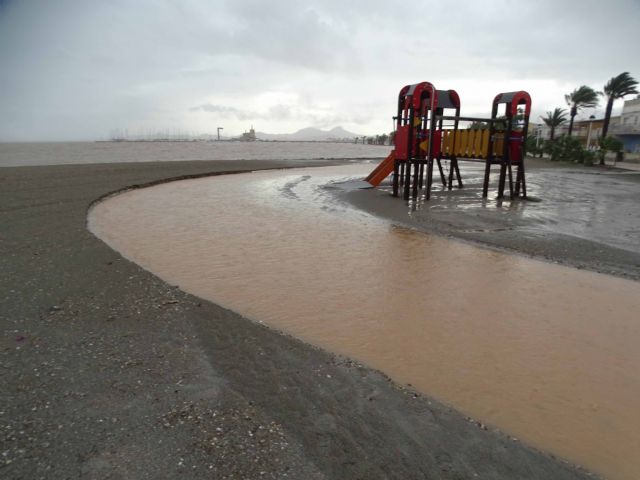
column 547, row 353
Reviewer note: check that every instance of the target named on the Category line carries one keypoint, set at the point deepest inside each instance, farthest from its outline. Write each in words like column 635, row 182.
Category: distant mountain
column 309, row 134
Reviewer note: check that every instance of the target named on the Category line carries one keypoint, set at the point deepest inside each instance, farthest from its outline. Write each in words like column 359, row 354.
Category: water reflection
column 545, row 352
column 596, row 205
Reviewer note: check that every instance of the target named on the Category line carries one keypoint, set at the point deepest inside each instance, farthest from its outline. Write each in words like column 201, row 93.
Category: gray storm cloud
column 77, row 69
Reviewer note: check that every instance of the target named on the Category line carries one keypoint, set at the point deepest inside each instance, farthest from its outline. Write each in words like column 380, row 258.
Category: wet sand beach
column 499, row 336
column 112, row 373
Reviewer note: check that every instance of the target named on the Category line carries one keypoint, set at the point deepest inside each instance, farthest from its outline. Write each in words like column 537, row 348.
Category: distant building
column 249, row 136
column 587, row 131
column 627, row 126
column 544, row 132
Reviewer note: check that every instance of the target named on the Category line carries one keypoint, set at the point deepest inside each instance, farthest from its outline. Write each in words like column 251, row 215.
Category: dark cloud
column 75, row 69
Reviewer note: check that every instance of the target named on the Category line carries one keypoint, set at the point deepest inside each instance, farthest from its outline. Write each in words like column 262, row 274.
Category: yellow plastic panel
column 464, row 135
column 484, row 149
column 470, row 142
column 477, row 144
column 447, row 142
column 498, row 144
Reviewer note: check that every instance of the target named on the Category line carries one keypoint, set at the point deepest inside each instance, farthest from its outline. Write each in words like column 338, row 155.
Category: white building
column 627, row 126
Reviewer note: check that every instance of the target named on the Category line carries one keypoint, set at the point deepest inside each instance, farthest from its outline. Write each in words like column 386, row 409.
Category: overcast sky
column 76, row 70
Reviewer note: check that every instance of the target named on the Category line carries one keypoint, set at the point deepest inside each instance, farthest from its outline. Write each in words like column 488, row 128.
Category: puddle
column 546, row 353
column 591, row 205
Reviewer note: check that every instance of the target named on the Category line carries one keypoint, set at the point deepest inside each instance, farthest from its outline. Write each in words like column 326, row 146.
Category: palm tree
column 581, row 97
column 618, row 87
column 555, row 119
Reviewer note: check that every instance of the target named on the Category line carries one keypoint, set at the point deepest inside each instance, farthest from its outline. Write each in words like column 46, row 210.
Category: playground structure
column 425, row 135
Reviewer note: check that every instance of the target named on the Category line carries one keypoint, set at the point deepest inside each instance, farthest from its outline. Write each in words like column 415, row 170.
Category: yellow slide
column 382, row 171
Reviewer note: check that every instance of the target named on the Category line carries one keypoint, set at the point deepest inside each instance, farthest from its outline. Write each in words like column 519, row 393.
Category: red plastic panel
column 515, row 146
column 402, row 142
column 437, row 142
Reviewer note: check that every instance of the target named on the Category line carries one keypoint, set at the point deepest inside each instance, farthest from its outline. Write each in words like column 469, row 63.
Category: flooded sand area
column 544, row 352
column 583, row 217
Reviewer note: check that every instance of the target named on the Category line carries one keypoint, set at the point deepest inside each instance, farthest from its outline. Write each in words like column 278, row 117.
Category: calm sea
column 25, row 154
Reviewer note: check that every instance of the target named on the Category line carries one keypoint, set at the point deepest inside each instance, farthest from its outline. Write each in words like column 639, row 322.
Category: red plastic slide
column 382, row 171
